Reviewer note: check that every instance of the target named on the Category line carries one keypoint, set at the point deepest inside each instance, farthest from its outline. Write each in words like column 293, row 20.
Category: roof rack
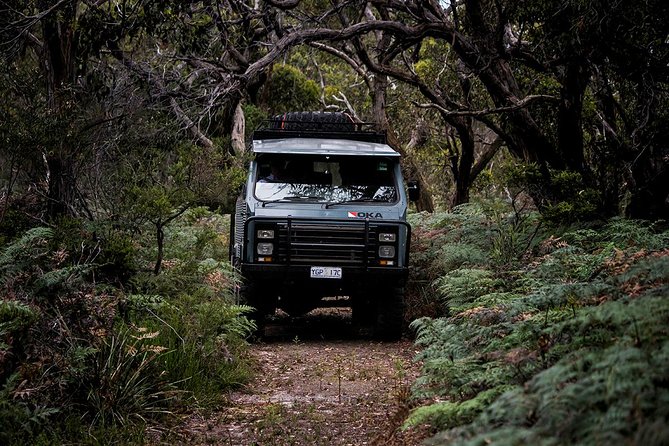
column 375, row 137
column 281, row 128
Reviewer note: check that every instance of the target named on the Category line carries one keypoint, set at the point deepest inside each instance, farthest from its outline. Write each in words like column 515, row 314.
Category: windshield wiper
column 357, row 200
column 291, row 199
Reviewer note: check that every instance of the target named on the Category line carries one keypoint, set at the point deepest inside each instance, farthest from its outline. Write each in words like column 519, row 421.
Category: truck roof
column 322, row 146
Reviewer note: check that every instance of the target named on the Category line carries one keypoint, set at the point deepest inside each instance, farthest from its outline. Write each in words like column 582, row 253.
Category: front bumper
column 294, row 274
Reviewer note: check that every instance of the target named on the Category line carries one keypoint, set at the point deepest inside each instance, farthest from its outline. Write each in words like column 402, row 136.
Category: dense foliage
column 120, row 119
column 86, row 352
column 556, row 337
column 461, row 88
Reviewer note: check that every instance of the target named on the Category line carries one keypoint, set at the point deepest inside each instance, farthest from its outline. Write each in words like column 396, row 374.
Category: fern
column 454, row 256
column 446, row 414
column 69, row 277
column 23, row 253
column 578, row 337
column 626, row 233
column 452, row 363
column 60, row 330
column 15, row 316
column 459, row 288
column 31, row 244
column 20, row 421
column 146, row 303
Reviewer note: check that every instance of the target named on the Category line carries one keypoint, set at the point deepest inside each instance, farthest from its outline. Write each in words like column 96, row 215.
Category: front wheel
column 390, row 314
column 262, row 300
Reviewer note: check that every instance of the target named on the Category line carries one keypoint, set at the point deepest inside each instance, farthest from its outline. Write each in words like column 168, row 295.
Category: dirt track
column 317, row 384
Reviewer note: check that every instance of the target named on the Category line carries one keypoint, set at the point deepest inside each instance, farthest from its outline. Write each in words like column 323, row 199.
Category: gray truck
column 323, row 214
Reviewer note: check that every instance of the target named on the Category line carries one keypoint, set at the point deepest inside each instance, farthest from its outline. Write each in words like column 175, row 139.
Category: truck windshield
column 322, row 178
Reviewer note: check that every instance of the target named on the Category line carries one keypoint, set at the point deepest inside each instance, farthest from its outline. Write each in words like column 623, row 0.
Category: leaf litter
column 317, row 392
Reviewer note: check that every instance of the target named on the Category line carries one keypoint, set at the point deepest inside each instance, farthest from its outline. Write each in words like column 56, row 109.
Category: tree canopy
column 572, row 91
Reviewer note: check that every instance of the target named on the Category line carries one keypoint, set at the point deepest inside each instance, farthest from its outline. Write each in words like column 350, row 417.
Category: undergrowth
column 96, row 349
column 545, row 337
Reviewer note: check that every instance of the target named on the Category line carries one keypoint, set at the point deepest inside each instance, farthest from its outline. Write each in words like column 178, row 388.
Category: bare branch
column 485, row 157
column 348, row 105
column 311, row 35
column 238, row 130
column 357, row 66
column 157, row 82
column 489, row 111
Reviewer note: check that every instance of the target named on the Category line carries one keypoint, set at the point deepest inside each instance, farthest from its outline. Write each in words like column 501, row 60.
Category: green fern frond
column 448, row 414
column 455, row 256
column 635, row 233
column 15, row 316
column 30, row 245
column 62, row 278
column 459, row 288
column 143, row 302
column 580, row 332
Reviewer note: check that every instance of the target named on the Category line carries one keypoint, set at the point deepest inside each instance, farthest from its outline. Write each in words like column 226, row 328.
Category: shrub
column 191, row 304
column 569, row 348
column 127, row 384
column 114, row 363
column 21, row 421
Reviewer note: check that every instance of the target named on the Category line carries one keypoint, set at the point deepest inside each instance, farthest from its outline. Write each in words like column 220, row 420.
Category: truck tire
column 390, row 315
column 262, row 300
column 324, row 121
column 363, row 311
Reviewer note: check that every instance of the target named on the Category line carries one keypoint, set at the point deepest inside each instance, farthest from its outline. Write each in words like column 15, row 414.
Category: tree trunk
column 650, row 196
column 529, row 143
column 58, row 66
column 464, row 178
column 570, row 117
column 160, row 242
column 410, row 169
column 648, row 174
column 608, row 162
column 62, row 188
column 238, row 131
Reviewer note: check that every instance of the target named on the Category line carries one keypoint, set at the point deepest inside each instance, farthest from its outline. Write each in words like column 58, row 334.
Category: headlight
column 386, row 252
column 265, row 249
column 387, row 237
column 265, row 233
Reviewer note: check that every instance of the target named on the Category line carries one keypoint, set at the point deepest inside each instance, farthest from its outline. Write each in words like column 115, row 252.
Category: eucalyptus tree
column 93, row 65
column 537, row 63
column 63, row 45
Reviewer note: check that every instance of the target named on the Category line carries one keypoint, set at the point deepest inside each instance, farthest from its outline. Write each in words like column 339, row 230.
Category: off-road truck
column 322, row 214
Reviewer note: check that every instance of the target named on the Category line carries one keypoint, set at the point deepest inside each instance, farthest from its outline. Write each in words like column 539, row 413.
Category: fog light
column 387, row 237
column 386, row 252
column 265, row 233
column 265, row 249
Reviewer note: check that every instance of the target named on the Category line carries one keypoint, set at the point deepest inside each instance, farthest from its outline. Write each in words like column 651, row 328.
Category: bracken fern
column 573, row 346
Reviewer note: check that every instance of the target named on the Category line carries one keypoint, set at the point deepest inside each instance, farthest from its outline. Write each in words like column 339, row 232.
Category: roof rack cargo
column 327, row 125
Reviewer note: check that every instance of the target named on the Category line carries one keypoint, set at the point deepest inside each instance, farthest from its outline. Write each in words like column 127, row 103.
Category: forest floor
column 318, row 382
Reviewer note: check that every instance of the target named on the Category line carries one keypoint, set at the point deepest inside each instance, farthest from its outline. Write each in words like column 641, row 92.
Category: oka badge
column 364, row 214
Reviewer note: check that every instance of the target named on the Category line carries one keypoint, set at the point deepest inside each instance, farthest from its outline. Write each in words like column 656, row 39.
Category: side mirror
column 414, row 190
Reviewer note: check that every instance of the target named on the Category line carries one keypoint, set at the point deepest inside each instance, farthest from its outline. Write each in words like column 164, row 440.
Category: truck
column 321, row 215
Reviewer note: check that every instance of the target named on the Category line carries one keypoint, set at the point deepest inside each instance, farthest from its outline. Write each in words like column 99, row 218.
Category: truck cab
column 323, row 214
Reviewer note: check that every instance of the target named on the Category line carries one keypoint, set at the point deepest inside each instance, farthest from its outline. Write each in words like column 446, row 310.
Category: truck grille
column 325, row 244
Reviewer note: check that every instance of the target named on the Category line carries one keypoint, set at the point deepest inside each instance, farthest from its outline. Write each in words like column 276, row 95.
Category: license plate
column 325, row 272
